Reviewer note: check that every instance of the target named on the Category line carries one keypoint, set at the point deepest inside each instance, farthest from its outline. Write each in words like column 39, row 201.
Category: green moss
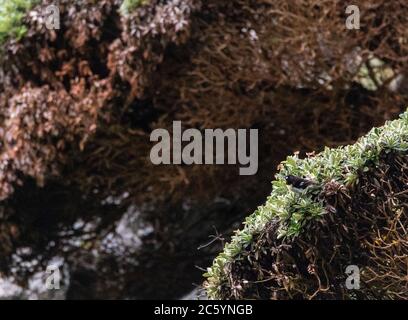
column 129, row 5
column 294, row 208
column 11, row 16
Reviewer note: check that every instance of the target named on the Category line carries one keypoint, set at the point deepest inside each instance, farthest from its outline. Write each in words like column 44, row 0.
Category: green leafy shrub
column 11, row 15
column 294, row 213
column 129, row 5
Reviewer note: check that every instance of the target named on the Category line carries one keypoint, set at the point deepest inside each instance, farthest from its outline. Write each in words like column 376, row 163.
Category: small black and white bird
column 299, row 183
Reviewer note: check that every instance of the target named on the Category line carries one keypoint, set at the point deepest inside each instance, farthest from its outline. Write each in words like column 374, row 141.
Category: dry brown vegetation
column 77, row 107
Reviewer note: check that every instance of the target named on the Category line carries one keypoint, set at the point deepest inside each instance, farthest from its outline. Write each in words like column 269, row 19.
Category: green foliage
column 11, row 15
column 129, row 5
column 373, row 74
column 295, row 208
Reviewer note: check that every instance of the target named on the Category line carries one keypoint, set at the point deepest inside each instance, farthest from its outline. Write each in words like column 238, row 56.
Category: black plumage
column 299, row 183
